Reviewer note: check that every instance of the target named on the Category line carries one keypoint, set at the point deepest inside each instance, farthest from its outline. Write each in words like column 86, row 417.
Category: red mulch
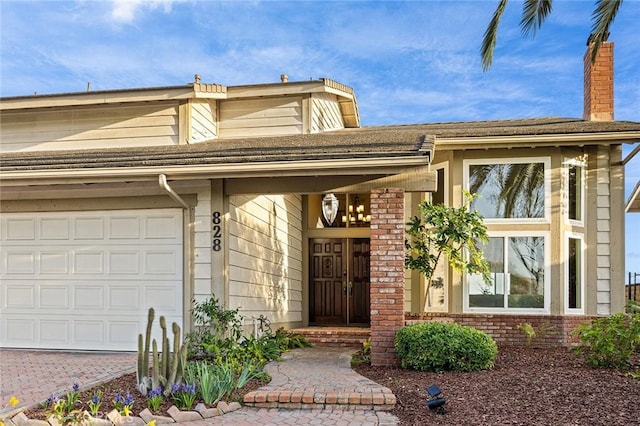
column 527, row 387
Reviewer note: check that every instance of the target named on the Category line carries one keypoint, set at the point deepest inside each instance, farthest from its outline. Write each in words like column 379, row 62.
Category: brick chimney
column 598, row 84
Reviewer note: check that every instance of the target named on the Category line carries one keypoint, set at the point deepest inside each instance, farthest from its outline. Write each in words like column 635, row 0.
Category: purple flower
column 155, row 392
column 52, row 399
column 175, row 387
column 128, row 400
column 76, row 387
column 95, row 398
column 118, row 398
column 190, row 389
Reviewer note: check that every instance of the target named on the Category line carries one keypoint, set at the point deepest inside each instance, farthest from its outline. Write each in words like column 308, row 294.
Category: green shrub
column 610, row 341
column 436, row 346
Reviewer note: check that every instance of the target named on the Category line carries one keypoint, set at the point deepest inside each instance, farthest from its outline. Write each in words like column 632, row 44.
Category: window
column 519, row 276
column 510, row 189
column 339, row 211
column 574, row 190
column 574, row 274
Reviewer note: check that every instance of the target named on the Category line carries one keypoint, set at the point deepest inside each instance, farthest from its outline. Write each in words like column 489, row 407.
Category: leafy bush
column 218, row 329
column 436, row 346
column 610, row 341
column 363, row 356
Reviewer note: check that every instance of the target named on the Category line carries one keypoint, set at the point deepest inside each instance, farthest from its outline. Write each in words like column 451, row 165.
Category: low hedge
column 437, row 346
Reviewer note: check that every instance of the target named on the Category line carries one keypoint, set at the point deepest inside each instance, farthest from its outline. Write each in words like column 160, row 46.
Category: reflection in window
column 517, row 272
column 513, row 190
column 574, row 274
column 574, row 187
column 347, row 210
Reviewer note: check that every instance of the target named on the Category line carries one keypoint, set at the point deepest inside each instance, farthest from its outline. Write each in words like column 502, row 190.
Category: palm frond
column 491, row 35
column 534, row 12
column 602, row 17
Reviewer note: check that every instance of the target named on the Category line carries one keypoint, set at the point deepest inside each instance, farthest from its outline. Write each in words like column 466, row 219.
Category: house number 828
column 216, row 242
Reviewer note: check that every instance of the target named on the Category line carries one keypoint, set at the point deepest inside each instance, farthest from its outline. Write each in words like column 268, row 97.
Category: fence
column 633, row 287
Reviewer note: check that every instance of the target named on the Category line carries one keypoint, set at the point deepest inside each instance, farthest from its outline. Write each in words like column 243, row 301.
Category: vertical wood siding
column 91, row 127
column 265, row 257
column 203, row 121
column 261, row 117
column 326, row 115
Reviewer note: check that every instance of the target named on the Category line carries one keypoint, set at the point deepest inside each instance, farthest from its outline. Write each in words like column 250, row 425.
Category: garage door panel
column 88, row 262
column 54, row 262
column 20, row 261
column 124, row 262
column 162, row 262
column 163, row 298
column 54, row 297
column 88, row 296
column 54, row 332
column 55, row 228
column 162, row 227
column 88, row 228
column 124, row 298
column 19, row 229
column 18, row 296
column 124, row 228
column 19, row 330
column 85, row 280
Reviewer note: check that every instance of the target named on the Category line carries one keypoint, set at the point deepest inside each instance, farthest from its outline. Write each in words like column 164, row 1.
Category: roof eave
column 633, row 204
column 357, row 166
column 209, row 91
column 541, row 140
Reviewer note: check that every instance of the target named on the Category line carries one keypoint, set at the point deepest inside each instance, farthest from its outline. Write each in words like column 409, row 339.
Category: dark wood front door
column 339, row 281
column 359, row 282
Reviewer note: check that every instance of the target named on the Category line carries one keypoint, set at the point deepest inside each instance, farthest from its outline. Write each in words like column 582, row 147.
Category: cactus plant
column 142, row 373
column 168, row 367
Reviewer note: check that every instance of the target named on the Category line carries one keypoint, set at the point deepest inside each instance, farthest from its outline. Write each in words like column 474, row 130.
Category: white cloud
column 125, row 11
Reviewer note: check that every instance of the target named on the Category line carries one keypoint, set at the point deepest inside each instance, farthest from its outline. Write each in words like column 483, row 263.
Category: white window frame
column 580, row 237
column 445, row 306
column 568, row 162
column 443, row 166
column 547, row 277
column 546, row 161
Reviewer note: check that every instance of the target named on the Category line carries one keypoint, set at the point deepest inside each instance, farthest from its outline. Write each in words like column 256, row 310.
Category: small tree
column 446, row 231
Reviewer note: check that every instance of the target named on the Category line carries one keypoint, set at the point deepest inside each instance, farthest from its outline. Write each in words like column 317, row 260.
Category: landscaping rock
column 21, row 419
column 147, row 416
column 207, row 412
column 183, row 416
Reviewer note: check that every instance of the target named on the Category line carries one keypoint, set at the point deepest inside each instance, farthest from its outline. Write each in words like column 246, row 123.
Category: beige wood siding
column 90, row 127
column 265, row 257
column 203, row 121
column 603, row 232
column 261, row 117
column 326, row 115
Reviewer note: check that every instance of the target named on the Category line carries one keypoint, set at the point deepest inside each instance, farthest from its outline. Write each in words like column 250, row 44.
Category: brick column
column 387, row 273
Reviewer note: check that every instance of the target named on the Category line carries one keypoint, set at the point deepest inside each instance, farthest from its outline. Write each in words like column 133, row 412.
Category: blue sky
column 409, row 62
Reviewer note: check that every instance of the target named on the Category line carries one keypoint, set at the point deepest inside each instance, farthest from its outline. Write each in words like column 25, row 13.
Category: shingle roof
column 366, row 142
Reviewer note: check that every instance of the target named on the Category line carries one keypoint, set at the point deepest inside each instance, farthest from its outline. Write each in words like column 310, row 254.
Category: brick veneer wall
column 387, row 273
column 504, row 328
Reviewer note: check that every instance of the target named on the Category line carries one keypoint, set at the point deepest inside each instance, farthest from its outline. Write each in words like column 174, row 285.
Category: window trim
column 579, row 237
column 546, row 161
column 568, row 162
column 547, row 277
column 444, row 308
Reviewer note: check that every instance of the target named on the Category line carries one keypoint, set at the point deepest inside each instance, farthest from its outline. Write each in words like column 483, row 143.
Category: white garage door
column 85, row 280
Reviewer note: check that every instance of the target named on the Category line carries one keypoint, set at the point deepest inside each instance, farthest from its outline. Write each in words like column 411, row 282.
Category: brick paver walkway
column 32, row 376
